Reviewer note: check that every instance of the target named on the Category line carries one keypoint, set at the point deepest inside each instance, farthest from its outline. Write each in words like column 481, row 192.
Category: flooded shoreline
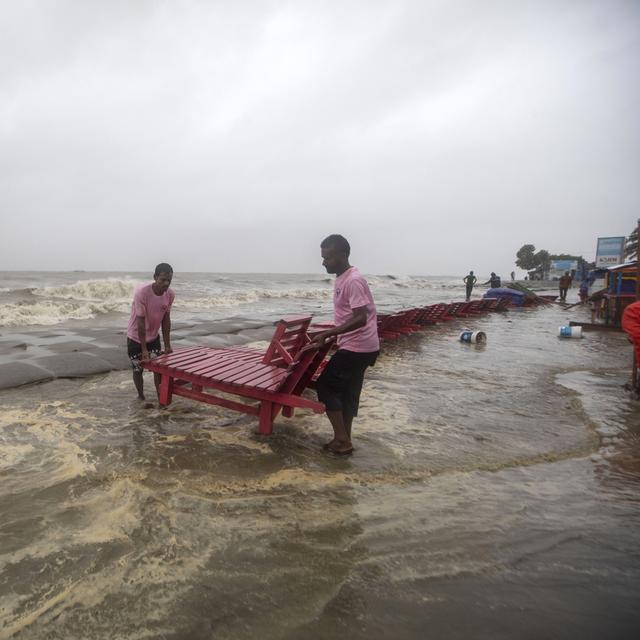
column 492, row 494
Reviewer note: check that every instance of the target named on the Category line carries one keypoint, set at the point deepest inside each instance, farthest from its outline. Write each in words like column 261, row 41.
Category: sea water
column 493, row 492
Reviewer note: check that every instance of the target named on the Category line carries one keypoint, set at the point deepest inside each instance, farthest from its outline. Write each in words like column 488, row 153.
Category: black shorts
column 340, row 383
column 134, row 349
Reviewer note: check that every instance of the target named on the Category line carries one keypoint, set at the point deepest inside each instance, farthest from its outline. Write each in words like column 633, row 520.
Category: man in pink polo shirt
column 340, row 383
column 150, row 311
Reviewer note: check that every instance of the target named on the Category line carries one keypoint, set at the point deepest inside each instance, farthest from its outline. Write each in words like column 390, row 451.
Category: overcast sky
column 437, row 135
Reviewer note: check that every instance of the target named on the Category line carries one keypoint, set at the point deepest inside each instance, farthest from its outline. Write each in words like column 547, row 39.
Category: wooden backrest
column 289, row 337
column 424, row 313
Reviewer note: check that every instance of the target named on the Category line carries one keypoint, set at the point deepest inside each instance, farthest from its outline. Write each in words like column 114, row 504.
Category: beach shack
column 620, row 282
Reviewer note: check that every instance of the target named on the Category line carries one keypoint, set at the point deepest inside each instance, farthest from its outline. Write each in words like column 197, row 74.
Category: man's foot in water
column 340, row 448
column 146, row 405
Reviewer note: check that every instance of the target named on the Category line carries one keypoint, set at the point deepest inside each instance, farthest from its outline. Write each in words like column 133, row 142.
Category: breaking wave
column 82, row 300
column 50, row 312
column 109, row 289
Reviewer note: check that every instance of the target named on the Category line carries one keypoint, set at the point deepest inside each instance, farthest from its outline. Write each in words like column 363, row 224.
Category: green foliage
column 525, row 258
column 531, row 260
column 544, row 259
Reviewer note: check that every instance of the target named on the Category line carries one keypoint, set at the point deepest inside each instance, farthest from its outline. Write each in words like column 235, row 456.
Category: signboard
column 558, row 267
column 610, row 252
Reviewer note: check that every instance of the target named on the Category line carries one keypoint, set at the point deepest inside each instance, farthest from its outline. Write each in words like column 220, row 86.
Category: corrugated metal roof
column 624, row 265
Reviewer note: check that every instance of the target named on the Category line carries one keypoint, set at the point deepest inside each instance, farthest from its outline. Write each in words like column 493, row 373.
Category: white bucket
column 570, row 332
column 473, row 336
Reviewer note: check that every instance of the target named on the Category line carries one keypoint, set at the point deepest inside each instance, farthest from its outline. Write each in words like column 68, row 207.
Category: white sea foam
column 81, row 300
column 12, row 455
column 105, row 290
column 50, row 312
column 49, row 437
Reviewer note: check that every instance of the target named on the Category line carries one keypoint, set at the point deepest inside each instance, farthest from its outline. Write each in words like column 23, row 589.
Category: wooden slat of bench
column 181, row 359
column 225, row 369
column 179, row 355
column 245, row 376
column 267, row 381
column 195, row 366
column 217, row 362
column 217, row 357
column 268, row 384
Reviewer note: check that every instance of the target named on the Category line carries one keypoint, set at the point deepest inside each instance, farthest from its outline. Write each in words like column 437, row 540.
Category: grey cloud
column 436, row 135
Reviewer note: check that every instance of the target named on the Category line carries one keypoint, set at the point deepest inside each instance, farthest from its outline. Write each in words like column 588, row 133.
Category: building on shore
column 620, row 283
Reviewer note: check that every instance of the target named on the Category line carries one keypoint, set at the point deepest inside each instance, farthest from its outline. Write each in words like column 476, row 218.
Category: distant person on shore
column 469, row 281
column 150, row 312
column 583, row 291
column 340, row 383
column 564, row 285
column 494, row 281
column 513, row 276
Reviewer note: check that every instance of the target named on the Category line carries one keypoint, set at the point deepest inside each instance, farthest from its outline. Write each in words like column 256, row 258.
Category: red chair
column 274, row 379
column 392, row 326
column 433, row 314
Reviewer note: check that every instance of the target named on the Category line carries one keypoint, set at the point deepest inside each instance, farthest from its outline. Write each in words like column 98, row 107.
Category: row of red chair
column 263, row 383
column 394, row 325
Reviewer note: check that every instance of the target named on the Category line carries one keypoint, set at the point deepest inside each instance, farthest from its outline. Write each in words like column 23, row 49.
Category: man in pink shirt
column 356, row 329
column 150, row 311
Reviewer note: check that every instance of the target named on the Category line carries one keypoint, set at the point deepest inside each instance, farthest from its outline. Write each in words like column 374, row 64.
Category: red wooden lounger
column 459, row 309
column 488, row 304
column 394, row 325
column 275, row 379
column 385, row 320
column 476, row 308
column 433, row 314
column 406, row 321
column 421, row 315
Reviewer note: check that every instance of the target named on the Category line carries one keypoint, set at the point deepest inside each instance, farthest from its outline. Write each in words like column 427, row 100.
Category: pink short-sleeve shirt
column 152, row 308
column 351, row 291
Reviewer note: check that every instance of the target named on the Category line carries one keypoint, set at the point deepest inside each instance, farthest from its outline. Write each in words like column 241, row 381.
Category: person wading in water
column 340, row 384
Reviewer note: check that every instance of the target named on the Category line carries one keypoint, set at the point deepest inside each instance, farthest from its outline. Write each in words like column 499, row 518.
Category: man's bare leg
column 341, row 442
column 137, row 380
column 347, row 420
column 156, row 380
